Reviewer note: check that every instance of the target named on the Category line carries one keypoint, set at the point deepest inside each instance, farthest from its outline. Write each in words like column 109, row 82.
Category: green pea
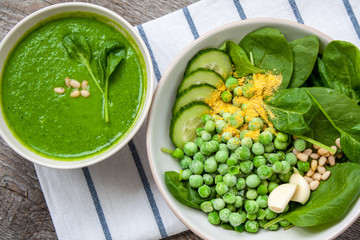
column 280, row 145
column 269, row 147
column 258, row 149
column 262, row 223
column 199, row 141
column 205, row 136
column 259, row 161
column 225, row 136
column 216, row 138
column 240, row 184
column 208, row 179
column 199, row 131
column 197, row 167
column 286, row 167
column 185, row 175
column 303, row 166
column 246, row 166
column 229, row 180
column 247, row 142
column 218, row 204
column 300, row 145
column 214, row 218
column 231, row 161
column 282, row 137
column 206, row 206
column 220, row 124
column 243, row 153
column 224, row 214
column 226, row 96
column 262, row 201
column 291, row 158
column 196, row 181
column 278, row 167
column 243, row 133
column 231, row 207
column 204, row 191
column 256, row 124
column 248, row 90
column 237, row 120
column 190, row 148
column 221, row 188
column 264, row 172
column 210, row 165
column 185, row 162
column 266, row 137
column 274, row 227
column 231, row 83
column 178, row 153
column 238, row 202
column 206, row 117
column 238, row 91
column 223, row 168
column 261, row 214
column 234, row 170
column 233, row 143
column 251, row 206
column 262, row 189
column 235, row 219
column 251, row 194
column 269, row 215
column 252, row 181
column 284, row 223
column 273, row 157
column 221, row 156
column 251, row 226
column 229, row 198
column 218, row 179
column 199, row 156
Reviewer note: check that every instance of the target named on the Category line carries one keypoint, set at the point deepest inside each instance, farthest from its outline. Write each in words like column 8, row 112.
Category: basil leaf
column 342, row 62
column 330, row 201
column 77, row 48
column 304, row 51
column 343, row 114
column 271, row 52
column 241, row 61
column 291, row 110
column 178, row 190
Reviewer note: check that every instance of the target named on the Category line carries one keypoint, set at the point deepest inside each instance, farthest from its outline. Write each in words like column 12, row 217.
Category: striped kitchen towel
column 117, row 198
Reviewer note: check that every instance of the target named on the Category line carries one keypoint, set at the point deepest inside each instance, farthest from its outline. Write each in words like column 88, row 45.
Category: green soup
column 57, row 125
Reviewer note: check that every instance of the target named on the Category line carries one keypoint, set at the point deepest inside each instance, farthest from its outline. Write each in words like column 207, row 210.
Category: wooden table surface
column 23, row 210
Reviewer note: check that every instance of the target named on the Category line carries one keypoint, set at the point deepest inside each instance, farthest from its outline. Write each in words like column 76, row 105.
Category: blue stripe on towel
column 190, row 22
column 155, row 65
column 147, row 188
column 296, row 11
column 240, row 9
column 97, row 204
column 352, row 17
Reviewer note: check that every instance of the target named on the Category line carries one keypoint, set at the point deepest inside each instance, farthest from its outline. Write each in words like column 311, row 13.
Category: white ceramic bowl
column 27, row 23
column 158, row 134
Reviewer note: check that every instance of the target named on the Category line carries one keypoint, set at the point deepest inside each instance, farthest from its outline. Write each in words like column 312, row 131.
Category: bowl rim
column 165, row 76
column 143, row 110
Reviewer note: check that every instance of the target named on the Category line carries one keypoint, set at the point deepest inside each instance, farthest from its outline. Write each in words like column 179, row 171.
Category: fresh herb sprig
column 109, row 58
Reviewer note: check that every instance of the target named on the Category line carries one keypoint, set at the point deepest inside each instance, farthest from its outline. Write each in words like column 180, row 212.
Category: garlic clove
column 280, row 197
column 302, row 192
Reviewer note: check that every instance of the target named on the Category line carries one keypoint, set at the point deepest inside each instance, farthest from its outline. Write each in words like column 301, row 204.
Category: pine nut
column 337, row 142
column 85, row 93
column 322, row 151
column 321, row 169
column 308, row 179
column 339, row 155
column 314, row 156
column 332, row 160
column 295, row 137
column 59, row 90
column 310, row 173
column 84, row 85
column 302, row 157
column 67, row 82
column 308, row 151
column 75, row 94
column 75, row 84
column 316, row 176
column 295, row 151
column 322, row 161
column 335, row 148
column 314, row 165
column 327, row 155
column 326, row 175
column 314, row 185
column 315, row 147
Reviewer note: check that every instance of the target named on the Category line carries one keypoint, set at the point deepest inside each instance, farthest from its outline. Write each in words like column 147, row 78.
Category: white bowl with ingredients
column 159, row 124
column 128, row 32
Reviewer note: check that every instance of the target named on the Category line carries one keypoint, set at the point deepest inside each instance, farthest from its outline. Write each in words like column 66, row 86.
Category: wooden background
column 23, row 210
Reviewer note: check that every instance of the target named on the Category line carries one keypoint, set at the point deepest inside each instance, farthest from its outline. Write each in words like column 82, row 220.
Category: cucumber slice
column 212, row 59
column 200, row 76
column 183, row 125
column 193, row 93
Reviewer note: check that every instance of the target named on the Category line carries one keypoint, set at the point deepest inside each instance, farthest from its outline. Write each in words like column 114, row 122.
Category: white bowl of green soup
column 76, row 85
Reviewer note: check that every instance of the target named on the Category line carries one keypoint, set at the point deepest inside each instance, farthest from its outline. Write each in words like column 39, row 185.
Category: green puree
column 57, row 125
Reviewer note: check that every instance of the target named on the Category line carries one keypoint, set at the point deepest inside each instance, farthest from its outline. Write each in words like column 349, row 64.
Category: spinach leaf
column 304, row 51
column 178, row 190
column 271, row 52
column 343, row 114
column 330, row 201
column 241, row 61
column 342, row 62
column 291, row 110
column 109, row 58
column 78, row 49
